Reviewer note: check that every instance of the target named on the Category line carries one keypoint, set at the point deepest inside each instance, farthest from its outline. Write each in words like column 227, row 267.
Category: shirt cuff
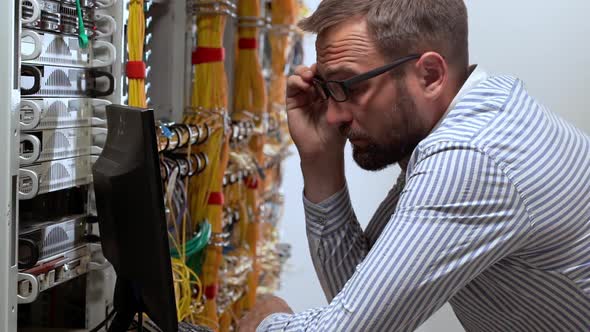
column 274, row 322
column 328, row 216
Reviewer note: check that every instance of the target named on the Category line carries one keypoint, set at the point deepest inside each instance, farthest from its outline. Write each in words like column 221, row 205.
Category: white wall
column 545, row 43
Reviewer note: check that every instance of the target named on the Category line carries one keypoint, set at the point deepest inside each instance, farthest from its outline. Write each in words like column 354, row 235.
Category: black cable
column 104, row 322
column 140, row 322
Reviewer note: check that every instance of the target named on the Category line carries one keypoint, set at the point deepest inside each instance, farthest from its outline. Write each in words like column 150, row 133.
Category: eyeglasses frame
column 346, row 84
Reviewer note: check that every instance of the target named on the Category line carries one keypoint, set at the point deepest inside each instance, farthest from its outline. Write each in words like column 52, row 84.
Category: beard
column 404, row 134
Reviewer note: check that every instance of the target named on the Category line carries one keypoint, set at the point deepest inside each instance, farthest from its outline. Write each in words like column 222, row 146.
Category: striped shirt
column 492, row 215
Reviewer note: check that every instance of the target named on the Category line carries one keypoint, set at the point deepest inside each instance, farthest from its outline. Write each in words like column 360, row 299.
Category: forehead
column 346, row 46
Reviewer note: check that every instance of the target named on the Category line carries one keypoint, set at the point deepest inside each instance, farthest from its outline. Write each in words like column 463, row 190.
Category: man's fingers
column 300, row 90
column 297, row 102
column 296, row 85
column 314, row 68
column 308, row 106
column 300, row 69
column 301, row 98
column 306, row 73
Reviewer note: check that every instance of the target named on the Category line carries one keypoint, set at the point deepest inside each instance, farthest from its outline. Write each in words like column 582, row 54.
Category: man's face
column 380, row 117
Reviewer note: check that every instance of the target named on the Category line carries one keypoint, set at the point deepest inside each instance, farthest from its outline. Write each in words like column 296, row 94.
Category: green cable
column 195, row 262
column 82, row 37
column 195, row 255
column 196, row 244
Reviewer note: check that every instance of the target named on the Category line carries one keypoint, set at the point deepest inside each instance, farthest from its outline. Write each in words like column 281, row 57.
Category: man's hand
column 306, row 111
column 265, row 306
column 320, row 145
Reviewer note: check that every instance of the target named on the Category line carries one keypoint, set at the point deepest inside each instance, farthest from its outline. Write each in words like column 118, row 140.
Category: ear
column 433, row 74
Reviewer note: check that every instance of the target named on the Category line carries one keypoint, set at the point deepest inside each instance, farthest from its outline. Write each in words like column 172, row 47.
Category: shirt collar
column 477, row 76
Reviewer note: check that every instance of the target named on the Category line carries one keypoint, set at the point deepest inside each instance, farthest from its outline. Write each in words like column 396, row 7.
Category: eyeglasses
column 340, row 90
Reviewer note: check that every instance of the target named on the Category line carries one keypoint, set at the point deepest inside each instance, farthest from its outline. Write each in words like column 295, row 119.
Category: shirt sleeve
column 385, row 211
column 458, row 215
column 337, row 242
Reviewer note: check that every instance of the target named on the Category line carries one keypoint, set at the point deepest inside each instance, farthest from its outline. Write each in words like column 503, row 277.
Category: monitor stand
column 127, row 304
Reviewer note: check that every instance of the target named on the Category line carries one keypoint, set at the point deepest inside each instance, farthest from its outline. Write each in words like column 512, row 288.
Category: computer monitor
column 131, row 216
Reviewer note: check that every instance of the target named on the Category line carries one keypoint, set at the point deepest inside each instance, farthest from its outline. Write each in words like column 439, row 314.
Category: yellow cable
column 283, row 17
column 135, row 41
column 186, row 281
column 250, row 96
column 209, row 105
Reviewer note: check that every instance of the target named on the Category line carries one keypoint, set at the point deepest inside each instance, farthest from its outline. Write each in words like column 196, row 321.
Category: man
column 492, row 210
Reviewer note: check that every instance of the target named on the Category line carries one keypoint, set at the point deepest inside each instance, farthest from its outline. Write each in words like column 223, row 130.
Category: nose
column 337, row 113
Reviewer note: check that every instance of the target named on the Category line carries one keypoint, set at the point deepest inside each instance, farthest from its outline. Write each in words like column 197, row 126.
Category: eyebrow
column 331, row 71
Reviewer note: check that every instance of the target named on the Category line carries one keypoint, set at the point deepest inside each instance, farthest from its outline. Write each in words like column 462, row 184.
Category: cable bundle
column 250, row 94
column 236, row 284
column 283, row 15
column 187, row 285
column 209, row 104
column 227, row 199
column 135, row 65
column 250, row 102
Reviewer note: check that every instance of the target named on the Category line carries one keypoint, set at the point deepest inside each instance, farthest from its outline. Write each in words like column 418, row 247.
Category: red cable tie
column 247, row 43
column 135, row 70
column 252, row 183
column 208, row 54
column 211, row 292
column 216, row 198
